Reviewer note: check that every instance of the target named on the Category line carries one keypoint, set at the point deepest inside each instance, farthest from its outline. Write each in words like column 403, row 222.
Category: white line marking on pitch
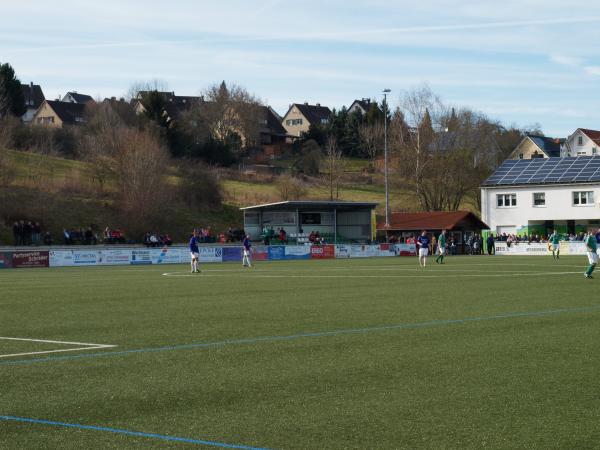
column 439, row 275
column 86, row 346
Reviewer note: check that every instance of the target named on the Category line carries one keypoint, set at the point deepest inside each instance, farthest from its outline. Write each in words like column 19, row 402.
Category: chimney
column 318, row 104
column 31, row 85
column 306, row 103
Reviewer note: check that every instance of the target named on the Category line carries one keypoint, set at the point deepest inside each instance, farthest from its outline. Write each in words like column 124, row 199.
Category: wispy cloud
column 567, row 60
column 592, row 70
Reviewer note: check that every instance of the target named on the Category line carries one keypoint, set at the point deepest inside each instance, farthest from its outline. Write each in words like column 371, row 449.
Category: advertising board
column 5, row 260
column 210, row 254
column 232, row 254
column 297, row 252
column 30, row 259
column 405, row 249
column 522, row 248
column 113, row 257
column 276, row 252
column 342, row 251
column 260, row 253
column 364, row 251
column 141, row 257
column 170, row 255
column 322, row 251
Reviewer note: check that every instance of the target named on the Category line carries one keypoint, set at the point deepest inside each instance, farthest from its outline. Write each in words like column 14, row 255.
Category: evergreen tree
column 12, row 100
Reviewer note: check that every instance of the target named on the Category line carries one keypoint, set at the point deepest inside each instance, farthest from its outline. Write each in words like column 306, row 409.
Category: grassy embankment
column 63, row 193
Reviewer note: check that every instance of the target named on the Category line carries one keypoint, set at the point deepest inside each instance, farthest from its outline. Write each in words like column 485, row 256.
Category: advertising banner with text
column 322, row 251
column 30, row 259
column 297, row 252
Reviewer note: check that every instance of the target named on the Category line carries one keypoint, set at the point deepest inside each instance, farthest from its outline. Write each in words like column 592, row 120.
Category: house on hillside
column 582, row 142
column 174, row 106
column 534, row 146
column 75, row 97
column 535, row 196
column 363, row 106
column 272, row 138
column 57, row 114
column 34, row 97
column 301, row 116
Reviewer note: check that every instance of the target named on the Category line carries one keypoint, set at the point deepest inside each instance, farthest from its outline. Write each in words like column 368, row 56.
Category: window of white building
column 539, row 199
column 583, row 198
column 506, row 200
column 580, row 140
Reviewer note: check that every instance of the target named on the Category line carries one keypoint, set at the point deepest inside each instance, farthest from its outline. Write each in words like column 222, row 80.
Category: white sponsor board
column 405, row 249
column 113, row 257
column 297, row 250
column 60, row 258
column 210, row 254
column 522, row 248
column 364, row 251
column 342, row 251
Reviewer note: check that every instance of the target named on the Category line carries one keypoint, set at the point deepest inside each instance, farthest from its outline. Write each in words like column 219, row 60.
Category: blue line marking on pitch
column 129, row 433
column 259, row 339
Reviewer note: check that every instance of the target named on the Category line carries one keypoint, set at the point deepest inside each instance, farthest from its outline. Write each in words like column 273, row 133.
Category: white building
column 582, row 142
column 534, row 196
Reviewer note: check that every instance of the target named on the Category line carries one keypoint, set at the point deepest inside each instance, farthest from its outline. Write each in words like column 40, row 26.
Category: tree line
column 438, row 152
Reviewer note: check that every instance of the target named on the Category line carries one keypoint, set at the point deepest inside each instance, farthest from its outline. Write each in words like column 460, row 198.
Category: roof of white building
column 572, row 170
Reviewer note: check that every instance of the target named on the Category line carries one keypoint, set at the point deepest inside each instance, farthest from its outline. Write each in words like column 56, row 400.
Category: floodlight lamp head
column 387, row 91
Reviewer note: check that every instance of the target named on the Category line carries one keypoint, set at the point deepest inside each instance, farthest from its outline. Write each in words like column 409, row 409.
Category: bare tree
column 422, row 109
column 140, row 163
column 372, row 137
column 230, row 114
column 332, row 167
column 290, row 187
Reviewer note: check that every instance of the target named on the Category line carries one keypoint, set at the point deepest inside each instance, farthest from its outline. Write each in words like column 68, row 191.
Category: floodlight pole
column 385, row 160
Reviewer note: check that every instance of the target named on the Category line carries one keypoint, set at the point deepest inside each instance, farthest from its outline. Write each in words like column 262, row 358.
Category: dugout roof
column 433, row 220
column 293, row 205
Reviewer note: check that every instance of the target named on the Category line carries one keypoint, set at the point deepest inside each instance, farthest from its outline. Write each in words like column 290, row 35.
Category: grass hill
column 62, row 193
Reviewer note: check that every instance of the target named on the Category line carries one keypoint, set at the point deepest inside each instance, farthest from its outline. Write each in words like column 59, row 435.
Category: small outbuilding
column 405, row 225
column 335, row 221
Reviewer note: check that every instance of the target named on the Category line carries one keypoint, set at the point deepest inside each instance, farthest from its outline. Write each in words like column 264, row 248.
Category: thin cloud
column 566, row 60
column 593, row 70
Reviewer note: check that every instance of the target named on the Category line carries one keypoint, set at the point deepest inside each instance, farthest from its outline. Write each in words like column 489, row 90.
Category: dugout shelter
column 335, row 221
column 405, row 225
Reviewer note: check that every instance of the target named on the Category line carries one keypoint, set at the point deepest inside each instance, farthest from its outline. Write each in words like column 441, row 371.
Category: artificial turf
column 481, row 352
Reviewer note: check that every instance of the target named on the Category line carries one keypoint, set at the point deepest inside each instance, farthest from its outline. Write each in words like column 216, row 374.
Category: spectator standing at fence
column 441, row 243
column 16, row 233
column 592, row 249
column 423, row 244
column 247, row 252
column 490, row 244
column 554, row 244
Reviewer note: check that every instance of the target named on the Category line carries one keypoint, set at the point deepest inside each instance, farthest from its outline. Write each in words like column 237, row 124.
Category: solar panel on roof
column 550, row 170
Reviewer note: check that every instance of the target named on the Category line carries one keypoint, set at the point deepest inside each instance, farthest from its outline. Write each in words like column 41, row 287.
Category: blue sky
column 519, row 61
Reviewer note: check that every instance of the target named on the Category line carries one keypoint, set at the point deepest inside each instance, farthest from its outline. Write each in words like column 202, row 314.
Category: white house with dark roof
column 534, row 196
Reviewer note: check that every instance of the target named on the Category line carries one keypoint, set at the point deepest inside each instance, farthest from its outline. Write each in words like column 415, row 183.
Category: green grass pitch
column 481, row 352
